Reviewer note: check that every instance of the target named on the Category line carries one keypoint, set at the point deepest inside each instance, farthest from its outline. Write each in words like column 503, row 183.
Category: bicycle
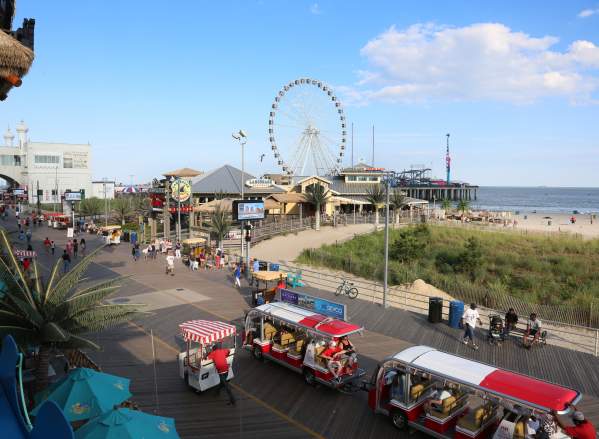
column 348, row 289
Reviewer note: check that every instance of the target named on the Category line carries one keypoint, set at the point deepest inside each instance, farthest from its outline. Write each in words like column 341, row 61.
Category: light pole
column 386, row 274
column 105, row 203
column 241, row 137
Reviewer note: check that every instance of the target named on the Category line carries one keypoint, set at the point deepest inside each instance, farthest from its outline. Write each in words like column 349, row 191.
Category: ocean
column 539, row 199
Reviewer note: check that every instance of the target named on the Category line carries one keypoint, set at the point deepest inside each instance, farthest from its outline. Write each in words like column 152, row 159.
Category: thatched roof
column 15, row 59
column 226, row 204
column 183, row 172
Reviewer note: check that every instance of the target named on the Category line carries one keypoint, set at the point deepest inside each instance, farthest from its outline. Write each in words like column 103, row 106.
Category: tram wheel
column 309, row 377
column 257, row 353
column 399, row 420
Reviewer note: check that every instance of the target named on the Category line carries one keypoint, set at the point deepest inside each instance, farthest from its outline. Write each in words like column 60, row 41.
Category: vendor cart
column 262, row 293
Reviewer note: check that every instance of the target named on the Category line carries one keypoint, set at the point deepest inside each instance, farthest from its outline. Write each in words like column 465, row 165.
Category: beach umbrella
column 125, row 423
column 85, row 393
column 130, row 190
column 183, row 173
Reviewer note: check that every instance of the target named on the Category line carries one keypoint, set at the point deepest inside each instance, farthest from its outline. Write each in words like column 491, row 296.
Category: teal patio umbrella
column 85, row 393
column 128, row 424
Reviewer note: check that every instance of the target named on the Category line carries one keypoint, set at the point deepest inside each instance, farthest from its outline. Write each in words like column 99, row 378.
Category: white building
column 103, row 189
column 52, row 167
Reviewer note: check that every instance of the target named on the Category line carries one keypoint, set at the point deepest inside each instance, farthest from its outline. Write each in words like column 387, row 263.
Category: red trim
column 529, row 389
column 334, row 328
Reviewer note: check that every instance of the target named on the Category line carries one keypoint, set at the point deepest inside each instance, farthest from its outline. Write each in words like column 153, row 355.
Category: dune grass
column 537, row 269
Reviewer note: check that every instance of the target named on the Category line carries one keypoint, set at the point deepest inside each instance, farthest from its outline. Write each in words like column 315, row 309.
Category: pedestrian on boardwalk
column 238, row 276
column 66, row 261
column 82, row 245
column 219, row 357
column 137, row 251
column 52, row 247
column 69, row 247
column 47, row 245
column 170, row 264
column 178, row 250
column 469, row 319
column 133, row 253
column 21, row 235
column 153, row 250
column 75, row 248
column 28, row 236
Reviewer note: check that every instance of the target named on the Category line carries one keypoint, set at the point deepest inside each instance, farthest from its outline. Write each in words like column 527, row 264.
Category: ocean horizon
column 542, row 199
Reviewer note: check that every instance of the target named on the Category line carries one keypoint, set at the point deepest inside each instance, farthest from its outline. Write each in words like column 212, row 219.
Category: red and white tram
column 298, row 338
column 483, row 402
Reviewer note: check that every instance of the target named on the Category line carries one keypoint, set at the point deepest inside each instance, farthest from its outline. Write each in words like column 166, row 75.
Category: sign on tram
column 321, row 306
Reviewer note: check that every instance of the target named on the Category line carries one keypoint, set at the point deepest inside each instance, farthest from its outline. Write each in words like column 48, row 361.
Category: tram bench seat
column 449, row 407
column 322, row 362
column 269, row 331
column 296, row 346
column 519, row 430
column 417, row 390
column 477, row 417
column 287, row 339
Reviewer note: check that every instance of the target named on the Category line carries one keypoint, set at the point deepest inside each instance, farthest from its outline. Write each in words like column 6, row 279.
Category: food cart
column 192, row 247
column 111, row 234
column 266, row 294
column 195, row 368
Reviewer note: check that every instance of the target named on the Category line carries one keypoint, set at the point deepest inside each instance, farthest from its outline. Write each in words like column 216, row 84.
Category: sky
column 160, row 85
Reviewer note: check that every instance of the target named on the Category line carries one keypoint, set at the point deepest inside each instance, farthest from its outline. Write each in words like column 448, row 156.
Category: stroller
column 495, row 335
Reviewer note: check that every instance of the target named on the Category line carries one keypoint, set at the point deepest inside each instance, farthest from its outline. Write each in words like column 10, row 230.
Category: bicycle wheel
column 352, row 292
column 339, row 290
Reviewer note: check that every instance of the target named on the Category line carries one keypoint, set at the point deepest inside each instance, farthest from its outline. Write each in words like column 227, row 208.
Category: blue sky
column 159, row 85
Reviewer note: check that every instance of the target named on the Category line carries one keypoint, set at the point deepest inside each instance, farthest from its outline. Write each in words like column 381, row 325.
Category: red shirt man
column 582, row 430
column 219, row 356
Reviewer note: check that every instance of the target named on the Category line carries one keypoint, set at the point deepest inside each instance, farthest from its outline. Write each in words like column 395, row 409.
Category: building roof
column 227, row 179
column 338, row 184
column 289, row 197
column 183, row 172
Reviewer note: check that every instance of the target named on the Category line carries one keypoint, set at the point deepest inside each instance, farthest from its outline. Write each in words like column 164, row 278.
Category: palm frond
column 67, row 283
column 316, row 194
column 83, row 302
column 375, row 195
column 16, row 266
column 53, row 277
column 8, row 317
column 52, row 333
column 22, row 334
column 76, row 342
column 27, row 311
column 102, row 317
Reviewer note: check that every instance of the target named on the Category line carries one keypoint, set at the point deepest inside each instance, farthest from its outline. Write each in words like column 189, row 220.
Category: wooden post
column 597, row 342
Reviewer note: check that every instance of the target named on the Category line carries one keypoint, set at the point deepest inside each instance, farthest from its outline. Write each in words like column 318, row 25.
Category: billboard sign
column 316, row 304
column 248, row 210
column 18, row 191
column 72, row 196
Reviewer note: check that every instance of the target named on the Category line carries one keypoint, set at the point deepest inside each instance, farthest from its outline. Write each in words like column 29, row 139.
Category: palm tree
column 316, row 195
column 220, row 224
column 55, row 315
column 121, row 209
column 91, row 206
column 398, row 201
column 375, row 195
column 446, row 204
column 463, row 206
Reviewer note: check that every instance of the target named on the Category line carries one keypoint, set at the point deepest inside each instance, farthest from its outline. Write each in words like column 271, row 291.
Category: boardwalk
column 274, row 402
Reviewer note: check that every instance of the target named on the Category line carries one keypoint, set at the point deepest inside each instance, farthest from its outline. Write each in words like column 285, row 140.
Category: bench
column 518, row 333
column 478, row 418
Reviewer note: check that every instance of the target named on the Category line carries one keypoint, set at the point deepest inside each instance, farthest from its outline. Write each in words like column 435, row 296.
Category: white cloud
column 585, row 13
column 315, row 9
column 485, row 61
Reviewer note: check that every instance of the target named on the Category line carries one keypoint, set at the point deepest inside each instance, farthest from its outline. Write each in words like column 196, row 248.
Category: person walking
column 66, row 261
column 69, row 247
column 170, row 264
column 47, row 245
column 137, row 251
column 52, row 247
column 238, row 276
column 178, row 250
column 82, row 245
column 469, row 320
column 28, row 235
column 133, row 253
column 75, row 248
column 219, row 357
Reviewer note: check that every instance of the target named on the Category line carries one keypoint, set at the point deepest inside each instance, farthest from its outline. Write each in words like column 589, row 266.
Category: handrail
column 29, row 425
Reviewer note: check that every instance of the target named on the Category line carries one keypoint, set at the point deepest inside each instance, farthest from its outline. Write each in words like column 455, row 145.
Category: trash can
column 435, row 309
column 456, row 310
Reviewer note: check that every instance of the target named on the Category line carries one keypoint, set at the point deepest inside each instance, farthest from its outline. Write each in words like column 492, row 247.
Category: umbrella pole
column 157, row 408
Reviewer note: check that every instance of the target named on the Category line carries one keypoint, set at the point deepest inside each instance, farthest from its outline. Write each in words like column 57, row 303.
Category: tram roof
column 309, row 319
column 504, row 383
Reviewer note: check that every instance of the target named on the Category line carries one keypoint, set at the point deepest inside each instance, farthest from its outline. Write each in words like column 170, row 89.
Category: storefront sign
column 248, row 210
column 316, row 304
column 259, row 182
column 25, row 254
column 180, row 190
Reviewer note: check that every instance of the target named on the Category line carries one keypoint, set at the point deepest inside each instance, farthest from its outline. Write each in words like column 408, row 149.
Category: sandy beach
column 560, row 223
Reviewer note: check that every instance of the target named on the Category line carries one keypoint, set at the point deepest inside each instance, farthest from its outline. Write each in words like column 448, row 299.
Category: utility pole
column 352, row 145
column 241, row 137
column 448, row 161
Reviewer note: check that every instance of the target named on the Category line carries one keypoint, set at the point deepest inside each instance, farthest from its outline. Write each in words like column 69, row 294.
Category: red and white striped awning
column 206, row 331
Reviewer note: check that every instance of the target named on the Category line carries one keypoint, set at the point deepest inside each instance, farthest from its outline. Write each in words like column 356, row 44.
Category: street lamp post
column 386, row 274
column 241, row 137
column 105, row 203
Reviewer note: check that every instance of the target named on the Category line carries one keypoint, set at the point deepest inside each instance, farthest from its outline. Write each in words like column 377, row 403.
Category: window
column 374, row 179
column 67, row 162
column 7, row 160
column 351, row 178
column 47, row 159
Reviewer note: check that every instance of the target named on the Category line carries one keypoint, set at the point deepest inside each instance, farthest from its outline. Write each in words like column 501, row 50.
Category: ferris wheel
column 307, row 129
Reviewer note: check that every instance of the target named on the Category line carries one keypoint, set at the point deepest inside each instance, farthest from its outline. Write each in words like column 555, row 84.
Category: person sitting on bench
column 436, row 400
column 533, row 329
column 330, row 355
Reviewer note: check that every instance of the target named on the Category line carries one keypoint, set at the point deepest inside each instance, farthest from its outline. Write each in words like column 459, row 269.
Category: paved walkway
column 289, row 247
column 274, row 402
